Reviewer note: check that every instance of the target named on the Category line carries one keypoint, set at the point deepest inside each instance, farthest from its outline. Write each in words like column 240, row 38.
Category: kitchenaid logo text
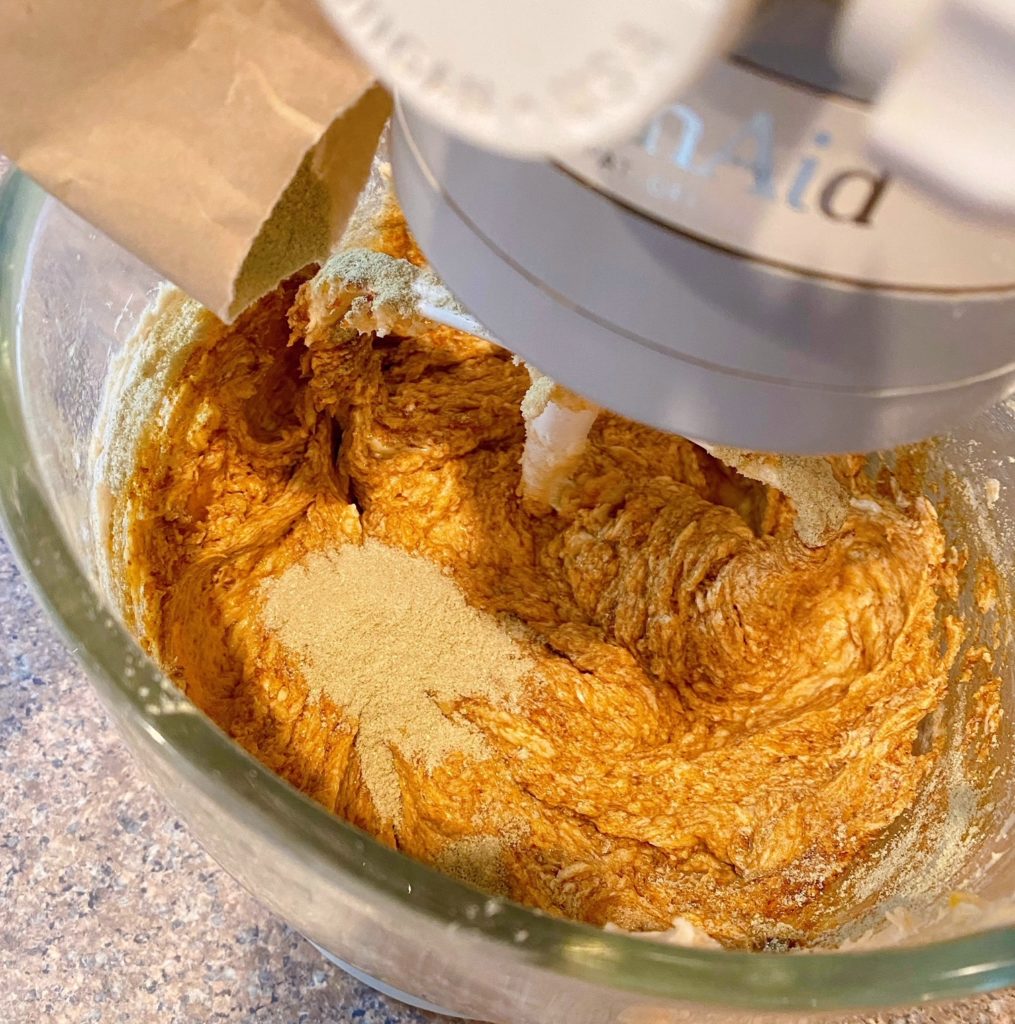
column 803, row 183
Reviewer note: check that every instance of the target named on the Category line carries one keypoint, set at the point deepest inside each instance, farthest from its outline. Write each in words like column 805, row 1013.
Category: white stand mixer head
column 743, row 271
column 531, row 78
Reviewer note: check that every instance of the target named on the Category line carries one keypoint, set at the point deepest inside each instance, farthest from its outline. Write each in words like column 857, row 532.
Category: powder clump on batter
column 390, row 639
column 384, row 295
column 390, row 283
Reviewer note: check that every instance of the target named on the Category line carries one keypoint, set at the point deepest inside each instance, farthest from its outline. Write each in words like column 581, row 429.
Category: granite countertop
column 111, row 911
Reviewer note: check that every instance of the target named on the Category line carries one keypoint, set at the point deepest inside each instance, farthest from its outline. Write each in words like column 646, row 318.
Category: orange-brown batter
column 721, row 718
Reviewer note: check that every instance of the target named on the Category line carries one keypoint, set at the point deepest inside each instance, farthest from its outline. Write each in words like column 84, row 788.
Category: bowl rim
column 126, row 678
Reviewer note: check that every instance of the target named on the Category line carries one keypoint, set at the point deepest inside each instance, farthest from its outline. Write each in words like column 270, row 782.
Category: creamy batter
column 720, row 718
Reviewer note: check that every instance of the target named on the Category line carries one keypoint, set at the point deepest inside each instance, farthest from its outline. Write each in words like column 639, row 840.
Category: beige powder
column 477, row 861
column 388, row 637
column 382, row 294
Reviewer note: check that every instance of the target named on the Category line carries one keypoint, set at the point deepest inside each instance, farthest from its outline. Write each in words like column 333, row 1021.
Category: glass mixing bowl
column 69, row 298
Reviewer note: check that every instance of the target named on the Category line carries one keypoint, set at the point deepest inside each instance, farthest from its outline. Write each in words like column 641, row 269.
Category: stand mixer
column 809, row 251
column 758, row 354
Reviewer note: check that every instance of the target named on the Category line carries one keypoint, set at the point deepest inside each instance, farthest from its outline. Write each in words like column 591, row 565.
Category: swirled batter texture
column 720, row 720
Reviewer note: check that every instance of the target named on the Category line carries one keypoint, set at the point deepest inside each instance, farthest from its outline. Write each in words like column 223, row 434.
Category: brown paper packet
column 222, row 141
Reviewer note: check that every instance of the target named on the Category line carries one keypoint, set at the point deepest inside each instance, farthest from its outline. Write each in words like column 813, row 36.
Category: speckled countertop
column 111, row 912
